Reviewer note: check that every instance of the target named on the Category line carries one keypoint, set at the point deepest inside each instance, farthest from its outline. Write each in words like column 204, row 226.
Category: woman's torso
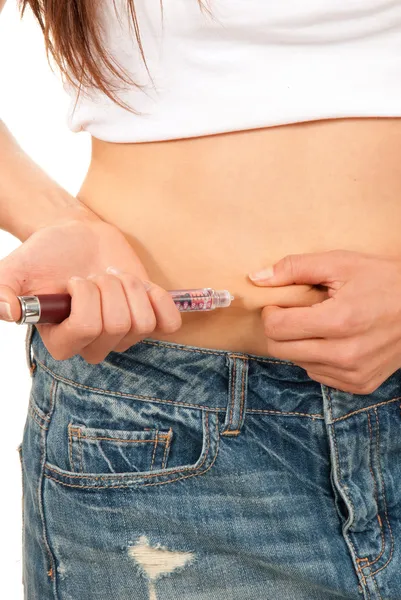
column 205, row 211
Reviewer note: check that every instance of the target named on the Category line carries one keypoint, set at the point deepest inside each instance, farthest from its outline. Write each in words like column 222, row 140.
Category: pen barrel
column 55, row 308
column 193, row 299
column 200, row 299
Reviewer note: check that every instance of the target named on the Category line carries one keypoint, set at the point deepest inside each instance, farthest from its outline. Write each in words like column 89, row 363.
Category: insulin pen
column 54, row 308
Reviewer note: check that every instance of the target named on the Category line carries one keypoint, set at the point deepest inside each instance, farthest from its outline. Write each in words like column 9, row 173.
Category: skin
column 209, row 211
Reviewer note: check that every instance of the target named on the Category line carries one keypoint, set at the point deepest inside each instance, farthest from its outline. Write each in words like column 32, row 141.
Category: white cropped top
column 252, row 64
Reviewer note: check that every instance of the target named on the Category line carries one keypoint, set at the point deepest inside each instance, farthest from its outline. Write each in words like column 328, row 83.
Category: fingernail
column 147, row 284
column 5, row 311
column 264, row 274
column 113, row 270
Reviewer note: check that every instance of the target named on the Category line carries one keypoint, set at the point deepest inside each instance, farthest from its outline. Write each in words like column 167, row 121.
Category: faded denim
column 172, row 472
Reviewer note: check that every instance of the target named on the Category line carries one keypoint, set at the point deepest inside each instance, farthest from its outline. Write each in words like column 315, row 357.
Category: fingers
column 311, row 267
column 115, row 318
column 142, row 317
column 167, row 314
column 82, row 326
column 350, row 382
column 151, row 309
column 326, row 319
column 109, row 312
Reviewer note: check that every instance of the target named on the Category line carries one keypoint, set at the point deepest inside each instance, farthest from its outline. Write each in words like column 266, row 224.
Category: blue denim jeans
column 173, row 472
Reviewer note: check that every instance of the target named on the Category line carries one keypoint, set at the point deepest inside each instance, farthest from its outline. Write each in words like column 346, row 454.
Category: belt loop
column 28, row 348
column 237, row 394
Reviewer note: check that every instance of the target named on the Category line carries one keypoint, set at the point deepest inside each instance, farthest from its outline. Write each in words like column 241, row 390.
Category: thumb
column 313, row 268
column 10, row 288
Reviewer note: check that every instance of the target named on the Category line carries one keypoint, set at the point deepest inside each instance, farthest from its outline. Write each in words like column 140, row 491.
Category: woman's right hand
column 109, row 311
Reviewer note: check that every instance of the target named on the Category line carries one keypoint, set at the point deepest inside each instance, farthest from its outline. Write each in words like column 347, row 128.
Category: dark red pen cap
column 44, row 308
column 54, row 308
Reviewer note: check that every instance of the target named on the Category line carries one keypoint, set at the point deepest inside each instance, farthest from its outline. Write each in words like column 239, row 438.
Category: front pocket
column 187, row 460
column 100, row 440
column 94, row 450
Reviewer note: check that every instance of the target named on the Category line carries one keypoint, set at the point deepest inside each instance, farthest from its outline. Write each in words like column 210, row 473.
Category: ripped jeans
column 173, row 472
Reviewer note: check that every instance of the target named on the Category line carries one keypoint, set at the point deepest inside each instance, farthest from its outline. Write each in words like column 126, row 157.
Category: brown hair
column 72, row 37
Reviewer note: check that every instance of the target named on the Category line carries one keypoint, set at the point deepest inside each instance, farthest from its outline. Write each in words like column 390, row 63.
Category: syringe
column 54, row 308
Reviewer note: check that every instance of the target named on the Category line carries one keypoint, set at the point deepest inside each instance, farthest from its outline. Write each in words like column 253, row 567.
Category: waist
column 204, row 212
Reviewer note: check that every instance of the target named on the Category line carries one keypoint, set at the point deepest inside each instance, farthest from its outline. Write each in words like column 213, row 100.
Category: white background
column 34, row 106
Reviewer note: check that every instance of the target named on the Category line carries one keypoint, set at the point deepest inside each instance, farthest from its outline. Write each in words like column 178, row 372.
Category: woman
column 227, row 138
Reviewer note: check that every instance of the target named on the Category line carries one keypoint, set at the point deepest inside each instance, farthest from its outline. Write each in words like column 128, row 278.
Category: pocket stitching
column 72, row 465
column 127, row 475
column 155, row 439
column 63, row 477
column 384, row 500
column 376, row 497
column 167, row 448
column 154, row 451
column 23, row 509
column 22, row 485
column 37, row 414
column 79, row 433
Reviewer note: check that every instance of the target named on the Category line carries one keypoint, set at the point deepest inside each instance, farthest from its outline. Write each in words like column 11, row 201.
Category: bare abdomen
column 203, row 212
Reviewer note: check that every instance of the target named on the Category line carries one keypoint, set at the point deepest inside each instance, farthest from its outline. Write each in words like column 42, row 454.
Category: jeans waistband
column 185, row 374
column 212, row 379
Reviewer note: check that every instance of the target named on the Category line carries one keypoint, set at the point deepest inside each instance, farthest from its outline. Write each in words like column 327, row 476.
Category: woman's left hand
column 350, row 341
